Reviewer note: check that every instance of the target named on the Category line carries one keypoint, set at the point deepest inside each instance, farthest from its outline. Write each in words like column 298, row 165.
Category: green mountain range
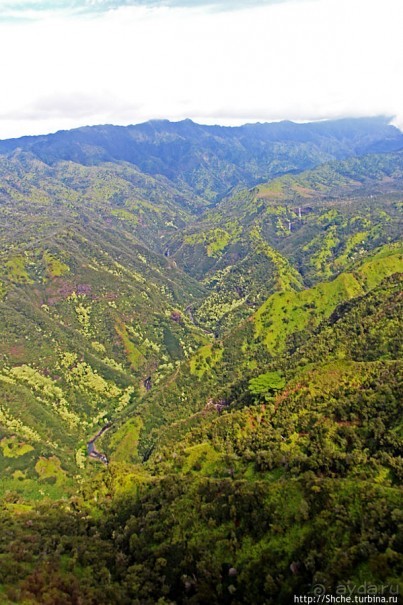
column 201, row 363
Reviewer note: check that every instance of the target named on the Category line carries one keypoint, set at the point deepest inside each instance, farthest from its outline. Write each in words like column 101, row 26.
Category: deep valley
column 200, row 362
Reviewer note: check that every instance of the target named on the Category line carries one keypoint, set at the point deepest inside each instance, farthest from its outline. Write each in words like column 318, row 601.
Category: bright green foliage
column 11, row 448
column 54, row 266
column 16, row 270
column 214, row 241
column 287, row 313
column 123, row 442
column 266, row 384
column 205, row 358
column 50, row 469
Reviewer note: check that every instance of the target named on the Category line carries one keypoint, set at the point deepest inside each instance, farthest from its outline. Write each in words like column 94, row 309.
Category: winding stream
column 91, row 449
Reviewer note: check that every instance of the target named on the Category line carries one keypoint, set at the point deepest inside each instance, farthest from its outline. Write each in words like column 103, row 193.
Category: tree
column 266, row 385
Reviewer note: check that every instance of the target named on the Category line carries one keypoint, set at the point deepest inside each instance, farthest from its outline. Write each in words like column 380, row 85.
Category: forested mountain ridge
column 89, row 303
column 300, row 228
column 219, row 371
column 243, row 349
column 211, row 160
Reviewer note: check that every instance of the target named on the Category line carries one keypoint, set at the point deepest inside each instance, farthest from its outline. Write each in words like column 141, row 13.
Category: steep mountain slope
column 217, row 373
column 89, row 308
column 239, row 366
column 96, row 310
column 151, row 208
column 278, row 494
column 292, row 230
column 211, row 160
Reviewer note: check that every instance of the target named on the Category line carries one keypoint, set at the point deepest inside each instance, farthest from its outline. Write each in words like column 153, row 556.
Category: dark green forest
column 201, row 363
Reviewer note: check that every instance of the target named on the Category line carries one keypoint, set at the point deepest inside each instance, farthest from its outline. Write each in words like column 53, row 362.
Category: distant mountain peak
column 212, row 160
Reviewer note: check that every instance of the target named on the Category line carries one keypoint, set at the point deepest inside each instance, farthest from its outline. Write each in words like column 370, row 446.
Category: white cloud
column 301, row 60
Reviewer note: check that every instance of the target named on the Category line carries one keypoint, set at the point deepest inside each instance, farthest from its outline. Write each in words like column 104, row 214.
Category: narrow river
column 91, row 449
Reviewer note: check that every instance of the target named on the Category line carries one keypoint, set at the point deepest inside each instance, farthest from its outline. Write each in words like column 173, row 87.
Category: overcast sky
column 70, row 63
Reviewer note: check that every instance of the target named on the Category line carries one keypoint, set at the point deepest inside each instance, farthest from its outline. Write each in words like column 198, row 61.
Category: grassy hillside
column 286, row 313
